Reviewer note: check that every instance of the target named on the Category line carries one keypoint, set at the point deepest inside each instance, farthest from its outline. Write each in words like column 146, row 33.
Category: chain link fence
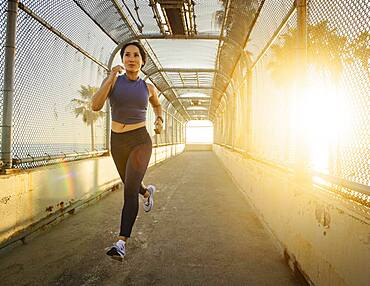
column 61, row 59
column 61, row 56
column 328, row 114
column 349, row 46
column 3, row 15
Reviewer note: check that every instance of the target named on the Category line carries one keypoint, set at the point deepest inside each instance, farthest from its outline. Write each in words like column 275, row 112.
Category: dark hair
column 139, row 46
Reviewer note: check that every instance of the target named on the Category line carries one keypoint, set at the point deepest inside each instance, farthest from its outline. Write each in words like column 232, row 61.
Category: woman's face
column 132, row 59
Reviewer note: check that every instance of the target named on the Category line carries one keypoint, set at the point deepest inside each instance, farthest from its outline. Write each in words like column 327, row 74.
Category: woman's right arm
column 101, row 95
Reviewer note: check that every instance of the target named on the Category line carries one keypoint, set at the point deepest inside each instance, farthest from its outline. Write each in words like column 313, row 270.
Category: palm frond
column 326, row 51
column 82, row 106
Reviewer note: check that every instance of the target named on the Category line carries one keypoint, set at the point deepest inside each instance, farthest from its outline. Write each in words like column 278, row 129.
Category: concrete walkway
column 201, row 232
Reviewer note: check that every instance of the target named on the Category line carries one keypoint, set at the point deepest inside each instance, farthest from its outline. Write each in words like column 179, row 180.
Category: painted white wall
column 325, row 235
column 32, row 195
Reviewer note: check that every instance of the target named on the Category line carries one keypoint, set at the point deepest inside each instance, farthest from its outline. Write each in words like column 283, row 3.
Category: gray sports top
column 129, row 100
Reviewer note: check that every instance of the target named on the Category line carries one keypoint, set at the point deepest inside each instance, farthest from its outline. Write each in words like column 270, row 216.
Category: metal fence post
column 7, row 129
column 302, row 154
column 172, row 131
column 249, row 111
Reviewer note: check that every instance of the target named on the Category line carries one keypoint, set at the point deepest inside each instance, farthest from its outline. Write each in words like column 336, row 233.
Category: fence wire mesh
column 240, row 15
column 347, row 23
column 53, row 79
column 270, row 17
column 331, row 109
column 272, row 106
column 54, row 82
column 3, row 15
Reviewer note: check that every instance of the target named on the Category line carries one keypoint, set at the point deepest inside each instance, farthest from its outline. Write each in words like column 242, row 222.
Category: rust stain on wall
column 61, row 205
column 322, row 216
column 5, row 200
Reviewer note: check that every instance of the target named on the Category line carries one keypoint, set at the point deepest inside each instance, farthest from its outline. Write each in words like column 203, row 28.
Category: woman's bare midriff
column 120, row 127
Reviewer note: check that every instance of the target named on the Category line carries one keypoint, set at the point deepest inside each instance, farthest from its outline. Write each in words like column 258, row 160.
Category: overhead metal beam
column 181, row 70
column 157, row 16
column 182, row 37
column 194, row 98
column 204, row 36
column 182, row 80
column 192, row 88
column 187, row 70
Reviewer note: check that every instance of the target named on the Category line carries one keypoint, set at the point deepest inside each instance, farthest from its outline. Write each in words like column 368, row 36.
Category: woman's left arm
column 157, row 108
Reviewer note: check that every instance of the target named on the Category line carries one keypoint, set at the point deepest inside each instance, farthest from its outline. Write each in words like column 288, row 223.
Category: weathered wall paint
column 323, row 234
column 32, row 195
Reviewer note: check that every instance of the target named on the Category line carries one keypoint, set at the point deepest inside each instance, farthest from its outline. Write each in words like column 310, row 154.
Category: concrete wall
column 325, row 236
column 30, row 196
column 198, row 147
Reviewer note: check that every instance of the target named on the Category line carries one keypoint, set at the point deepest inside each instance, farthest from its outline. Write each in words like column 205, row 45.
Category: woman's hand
column 115, row 70
column 158, row 125
column 101, row 95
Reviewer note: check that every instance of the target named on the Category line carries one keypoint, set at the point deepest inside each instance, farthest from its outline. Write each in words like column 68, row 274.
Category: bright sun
column 320, row 119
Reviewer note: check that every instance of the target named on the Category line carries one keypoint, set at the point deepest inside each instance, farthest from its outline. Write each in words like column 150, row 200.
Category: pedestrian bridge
column 279, row 192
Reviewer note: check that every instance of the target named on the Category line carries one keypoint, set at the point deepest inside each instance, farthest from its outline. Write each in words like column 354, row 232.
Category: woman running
column 131, row 145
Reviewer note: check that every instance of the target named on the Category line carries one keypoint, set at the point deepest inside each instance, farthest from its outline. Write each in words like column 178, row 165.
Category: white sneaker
column 149, row 202
column 118, row 250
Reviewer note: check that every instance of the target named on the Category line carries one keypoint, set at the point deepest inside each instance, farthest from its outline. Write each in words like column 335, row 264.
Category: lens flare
column 320, row 118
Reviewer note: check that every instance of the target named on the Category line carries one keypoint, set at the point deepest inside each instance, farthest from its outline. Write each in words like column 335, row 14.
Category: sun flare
column 320, row 120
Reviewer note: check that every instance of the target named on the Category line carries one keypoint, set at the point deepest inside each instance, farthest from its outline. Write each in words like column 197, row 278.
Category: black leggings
column 131, row 153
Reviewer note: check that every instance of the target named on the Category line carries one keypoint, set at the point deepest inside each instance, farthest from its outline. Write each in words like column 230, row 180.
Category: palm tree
column 361, row 50
column 326, row 51
column 241, row 14
column 82, row 107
